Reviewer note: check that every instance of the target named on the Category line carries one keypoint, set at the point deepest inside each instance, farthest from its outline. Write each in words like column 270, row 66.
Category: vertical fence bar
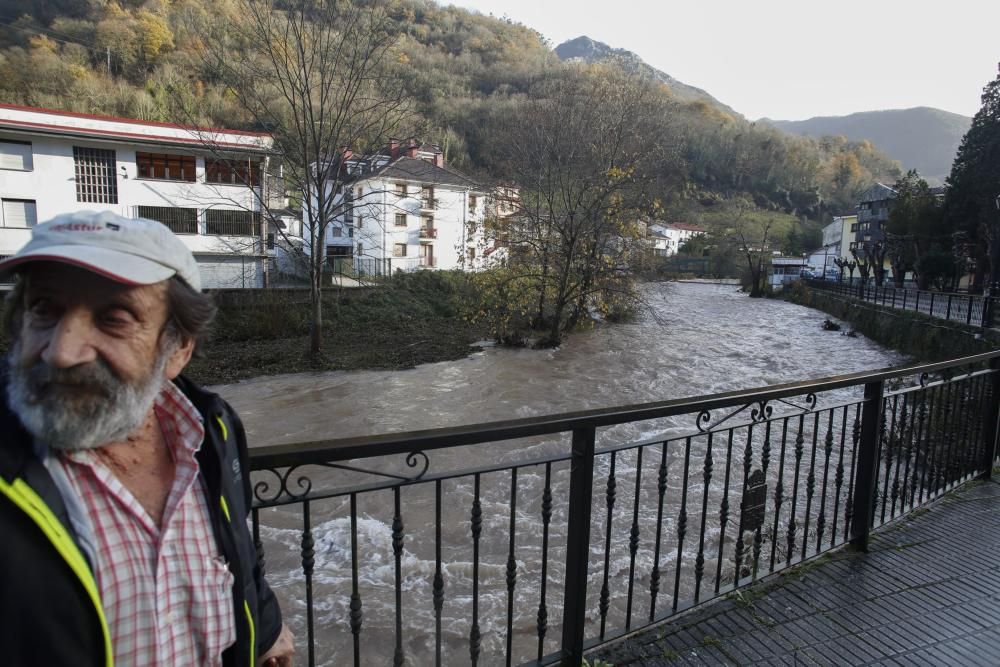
column 356, row 614
column 991, row 417
column 610, row 494
column 864, row 477
column 792, row 512
column 633, row 539
column 699, row 565
column 661, row 489
column 810, row 485
column 543, row 610
column 511, row 564
column 724, row 512
column 581, row 487
column 397, row 552
column 307, row 570
column 779, row 491
column 438, row 575
column 476, row 527
column 682, row 519
column 827, row 450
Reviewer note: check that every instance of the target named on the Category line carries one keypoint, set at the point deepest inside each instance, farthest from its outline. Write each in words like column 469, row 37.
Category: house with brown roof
column 404, row 209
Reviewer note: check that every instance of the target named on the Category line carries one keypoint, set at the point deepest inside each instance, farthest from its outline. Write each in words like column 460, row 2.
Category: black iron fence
column 971, row 309
column 532, row 540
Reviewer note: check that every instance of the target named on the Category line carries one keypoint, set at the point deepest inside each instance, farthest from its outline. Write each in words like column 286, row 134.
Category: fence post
column 864, row 475
column 581, row 487
column 990, row 430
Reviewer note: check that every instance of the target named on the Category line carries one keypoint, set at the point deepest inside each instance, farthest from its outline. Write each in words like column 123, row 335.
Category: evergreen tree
column 974, row 183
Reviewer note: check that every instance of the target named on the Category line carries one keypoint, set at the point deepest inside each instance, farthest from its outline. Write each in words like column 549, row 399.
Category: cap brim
column 115, row 265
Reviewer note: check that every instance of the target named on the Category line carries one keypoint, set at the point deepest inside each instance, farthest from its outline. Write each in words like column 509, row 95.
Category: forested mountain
column 590, row 51
column 462, row 71
column 921, row 138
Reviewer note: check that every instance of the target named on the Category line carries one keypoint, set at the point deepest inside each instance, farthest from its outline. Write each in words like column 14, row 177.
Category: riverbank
column 913, row 334
column 412, row 319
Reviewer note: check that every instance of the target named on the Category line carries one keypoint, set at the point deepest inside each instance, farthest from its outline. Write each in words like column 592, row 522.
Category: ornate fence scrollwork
column 760, row 411
column 287, row 486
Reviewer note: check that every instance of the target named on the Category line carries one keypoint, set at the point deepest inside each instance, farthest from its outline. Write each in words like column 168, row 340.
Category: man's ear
column 179, row 358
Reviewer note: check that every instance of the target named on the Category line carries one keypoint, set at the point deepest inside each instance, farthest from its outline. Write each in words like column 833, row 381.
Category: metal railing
column 970, row 309
column 567, row 534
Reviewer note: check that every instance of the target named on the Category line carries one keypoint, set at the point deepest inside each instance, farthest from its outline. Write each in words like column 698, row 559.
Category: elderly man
column 123, row 486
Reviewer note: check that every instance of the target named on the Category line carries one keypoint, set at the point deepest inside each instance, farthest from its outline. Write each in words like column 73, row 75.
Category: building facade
column 208, row 186
column 403, row 209
column 667, row 238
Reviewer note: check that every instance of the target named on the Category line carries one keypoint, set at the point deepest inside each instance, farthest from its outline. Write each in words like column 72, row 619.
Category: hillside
column 461, row 73
column 921, row 138
column 590, row 51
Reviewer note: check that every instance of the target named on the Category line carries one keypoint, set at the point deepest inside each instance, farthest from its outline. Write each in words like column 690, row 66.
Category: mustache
column 96, row 377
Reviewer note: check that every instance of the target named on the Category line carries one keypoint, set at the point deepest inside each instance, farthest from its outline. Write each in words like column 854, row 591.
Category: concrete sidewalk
column 927, row 593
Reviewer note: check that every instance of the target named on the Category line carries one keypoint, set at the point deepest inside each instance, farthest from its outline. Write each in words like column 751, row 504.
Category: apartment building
column 208, row 186
column 404, row 209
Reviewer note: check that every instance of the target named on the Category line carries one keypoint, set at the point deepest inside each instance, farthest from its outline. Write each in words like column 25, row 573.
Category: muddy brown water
column 698, row 339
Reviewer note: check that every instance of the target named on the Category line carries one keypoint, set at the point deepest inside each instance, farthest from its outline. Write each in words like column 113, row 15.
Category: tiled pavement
column 927, row 593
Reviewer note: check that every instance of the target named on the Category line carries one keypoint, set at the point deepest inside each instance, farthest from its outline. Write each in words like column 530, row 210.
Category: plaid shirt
column 167, row 593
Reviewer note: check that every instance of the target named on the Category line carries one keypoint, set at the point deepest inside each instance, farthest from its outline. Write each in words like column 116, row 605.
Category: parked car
column 808, row 274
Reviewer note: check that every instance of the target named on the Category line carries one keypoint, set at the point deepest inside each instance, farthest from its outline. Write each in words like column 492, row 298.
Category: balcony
column 428, row 262
column 428, row 233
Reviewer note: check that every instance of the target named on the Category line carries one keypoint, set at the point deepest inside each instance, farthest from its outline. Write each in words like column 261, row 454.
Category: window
column 471, row 252
column 401, row 220
column 165, row 167
column 359, row 221
column 472, row 203
column 427, row 197
column 231, row 223
column 360, row 249
column 337, row 232
column 401, row 189
column 232, row 172
column 19, row 213
column 359, row 193
column 96, row 180
column 338, row 251
column 179, row 220
column 399, row 250
column 15, row 155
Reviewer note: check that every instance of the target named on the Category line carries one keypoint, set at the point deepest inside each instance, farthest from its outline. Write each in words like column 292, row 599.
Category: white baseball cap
column 134, row 251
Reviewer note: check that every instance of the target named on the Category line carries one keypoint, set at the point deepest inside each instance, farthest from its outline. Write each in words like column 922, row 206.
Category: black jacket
column 50, row 609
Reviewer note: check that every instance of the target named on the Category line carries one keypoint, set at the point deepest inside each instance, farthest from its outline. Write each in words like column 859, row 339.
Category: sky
column 792, row 59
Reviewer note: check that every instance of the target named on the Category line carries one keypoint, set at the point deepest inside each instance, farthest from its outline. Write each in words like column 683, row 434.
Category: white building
column 205, row 185
column 667, row 238
column 403, row 209
column 784, row 270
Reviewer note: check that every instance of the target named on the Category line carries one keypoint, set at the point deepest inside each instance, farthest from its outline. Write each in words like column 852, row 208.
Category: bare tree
column 322, row 77
column 584, row 154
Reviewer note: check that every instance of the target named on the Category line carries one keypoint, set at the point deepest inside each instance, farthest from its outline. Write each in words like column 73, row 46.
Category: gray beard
column 83, row 407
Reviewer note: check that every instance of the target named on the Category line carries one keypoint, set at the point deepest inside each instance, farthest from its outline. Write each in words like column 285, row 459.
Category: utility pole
column 109, row 60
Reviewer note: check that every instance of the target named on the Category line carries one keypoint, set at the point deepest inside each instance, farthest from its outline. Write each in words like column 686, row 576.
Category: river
column 696, row 339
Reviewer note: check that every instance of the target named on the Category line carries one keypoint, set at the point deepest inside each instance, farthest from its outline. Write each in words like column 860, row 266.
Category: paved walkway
column 927, row 593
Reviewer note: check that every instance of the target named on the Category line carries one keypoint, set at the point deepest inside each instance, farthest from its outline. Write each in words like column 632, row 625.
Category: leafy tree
column 974, row 184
